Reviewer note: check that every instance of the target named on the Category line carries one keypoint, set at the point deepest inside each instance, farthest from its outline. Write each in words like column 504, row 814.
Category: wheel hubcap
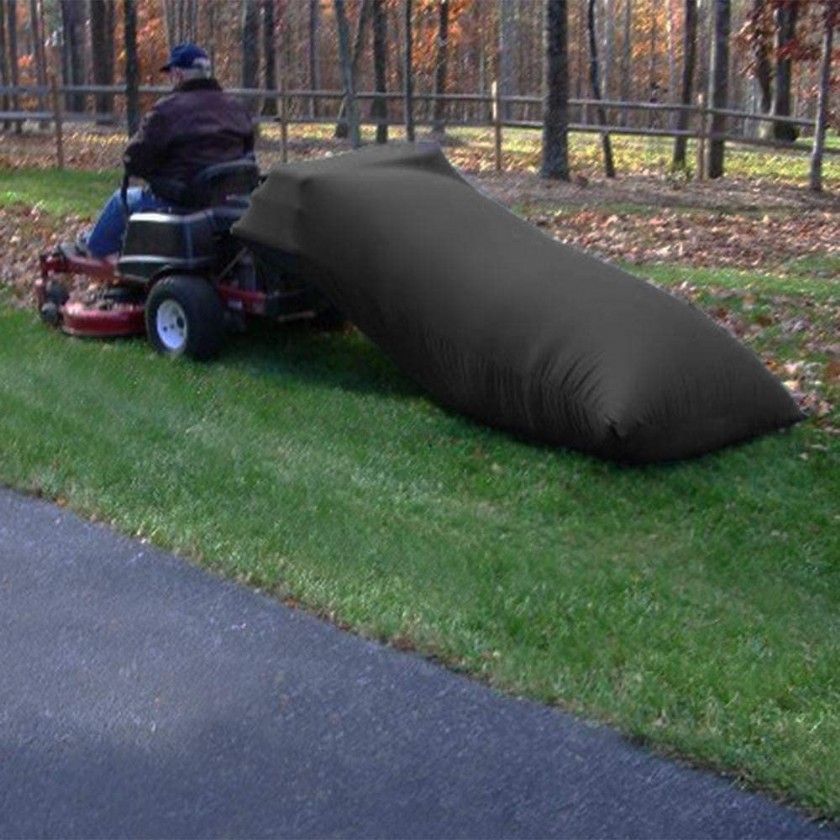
column 171, row 324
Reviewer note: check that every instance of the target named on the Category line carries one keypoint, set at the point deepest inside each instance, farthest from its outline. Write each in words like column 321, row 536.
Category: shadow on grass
column 341, row 360
column 348, row 361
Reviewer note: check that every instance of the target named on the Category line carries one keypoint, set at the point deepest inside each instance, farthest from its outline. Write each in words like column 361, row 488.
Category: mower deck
column 112, row 311
column 93, row 321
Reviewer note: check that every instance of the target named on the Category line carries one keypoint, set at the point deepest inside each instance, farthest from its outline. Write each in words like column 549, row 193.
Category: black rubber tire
column 57, row 293
column 51, row 314
column 185, row 317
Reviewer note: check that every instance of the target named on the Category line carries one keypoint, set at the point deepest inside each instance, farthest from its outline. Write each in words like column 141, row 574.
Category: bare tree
column 687, row 89
column 314, row 53
column 270, row 53
column 12, row 39
column 441, row 69
column 409, row 72
column 4, row 67
column 102, row 27
column 379, row 109
column 653, row 79
column 625, row 88
column 609, row 165
column 132, row 66
column 210, row 36
column 365, row 14
column 555, row 144
column 672, row 50
column 181, row 19
column 785, row 14
column 37, row 28
column 609, row 47
column 760, row 35
column 346, row 62
column 719, row 84
column 73, row 50
column 251, row 50
column 832, row 17
column 508, row 46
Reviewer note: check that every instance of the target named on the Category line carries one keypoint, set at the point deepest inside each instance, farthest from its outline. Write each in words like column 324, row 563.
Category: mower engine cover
column 157, row 240
column 504, row 324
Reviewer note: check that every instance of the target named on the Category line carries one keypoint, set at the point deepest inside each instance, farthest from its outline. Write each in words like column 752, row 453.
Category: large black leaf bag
column 504, row 324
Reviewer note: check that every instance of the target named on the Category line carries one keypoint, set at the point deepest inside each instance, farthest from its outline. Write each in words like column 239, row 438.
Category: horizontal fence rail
column 295, row 107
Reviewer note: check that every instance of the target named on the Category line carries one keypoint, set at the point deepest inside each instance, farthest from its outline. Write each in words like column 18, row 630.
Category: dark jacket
column 194, row 127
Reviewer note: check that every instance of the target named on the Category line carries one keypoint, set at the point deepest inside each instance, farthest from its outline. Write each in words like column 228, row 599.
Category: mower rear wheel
column 185, row 317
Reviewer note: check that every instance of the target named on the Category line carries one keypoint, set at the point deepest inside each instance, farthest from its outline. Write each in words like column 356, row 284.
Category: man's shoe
column 82, row 244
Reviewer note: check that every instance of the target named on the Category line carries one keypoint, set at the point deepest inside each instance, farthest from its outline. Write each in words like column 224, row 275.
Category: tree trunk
column 251, row 51
column 73, row 52
column 365, row 13
column 11, row 37
column 785, row 16
column 379, row 108
column 346, row 62
column 314, row 53
column 626, row 87
column 181, row 20
column 555, row 144
column 169, row 23
column 672, row 54
column 269, row 108
column 191, row 20
column 483, row 61
column 609, row 166
column 4, row 67
column 36, row 25
column 409, row 73
column 687, row 91
column 210, row 42
column 102, row 24
column 832, row 13
column 508, row 46
column 760, row 43
column 441, row 69
column 609, row 48
column 394, row 13
column 653, row 78
column 132, row 66
column 719, row 95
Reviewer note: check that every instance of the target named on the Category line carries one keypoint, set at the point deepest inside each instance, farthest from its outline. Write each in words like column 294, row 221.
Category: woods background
column 632, row 65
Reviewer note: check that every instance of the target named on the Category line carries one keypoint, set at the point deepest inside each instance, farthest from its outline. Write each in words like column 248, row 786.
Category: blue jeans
column 107, row 234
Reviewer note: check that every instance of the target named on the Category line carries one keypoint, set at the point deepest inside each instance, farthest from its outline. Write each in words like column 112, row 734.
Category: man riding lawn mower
column 163, row 257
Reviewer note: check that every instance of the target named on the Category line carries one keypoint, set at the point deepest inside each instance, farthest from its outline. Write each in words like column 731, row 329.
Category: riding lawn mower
column 182, row 277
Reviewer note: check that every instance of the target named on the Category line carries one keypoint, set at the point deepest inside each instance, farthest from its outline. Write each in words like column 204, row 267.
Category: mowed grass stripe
column 693, row 605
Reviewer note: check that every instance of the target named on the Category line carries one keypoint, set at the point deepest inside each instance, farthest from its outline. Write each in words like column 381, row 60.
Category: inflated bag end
column 504, row 324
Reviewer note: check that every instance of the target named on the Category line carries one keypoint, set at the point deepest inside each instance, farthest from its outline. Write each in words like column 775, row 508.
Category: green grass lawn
column 56, row 192
column 694, row 605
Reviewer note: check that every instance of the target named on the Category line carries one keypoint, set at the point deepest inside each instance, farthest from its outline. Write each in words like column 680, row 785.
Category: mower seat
column 224, row 183
column 220, row 184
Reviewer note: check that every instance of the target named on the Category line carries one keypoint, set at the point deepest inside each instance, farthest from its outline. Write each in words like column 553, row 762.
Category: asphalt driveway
column 142, row 697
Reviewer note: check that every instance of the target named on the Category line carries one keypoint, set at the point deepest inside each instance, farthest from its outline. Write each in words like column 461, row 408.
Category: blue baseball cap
column 184, row 56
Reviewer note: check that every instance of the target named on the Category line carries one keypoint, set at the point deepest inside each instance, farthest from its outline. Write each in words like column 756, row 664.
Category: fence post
column 702, row 133
column 59, row 129
column 496, row 112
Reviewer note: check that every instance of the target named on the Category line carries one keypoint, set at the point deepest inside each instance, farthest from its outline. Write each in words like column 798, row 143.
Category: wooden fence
column 297, row 107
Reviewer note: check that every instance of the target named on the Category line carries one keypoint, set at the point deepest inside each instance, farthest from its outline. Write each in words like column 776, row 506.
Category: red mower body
column 96, row 314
